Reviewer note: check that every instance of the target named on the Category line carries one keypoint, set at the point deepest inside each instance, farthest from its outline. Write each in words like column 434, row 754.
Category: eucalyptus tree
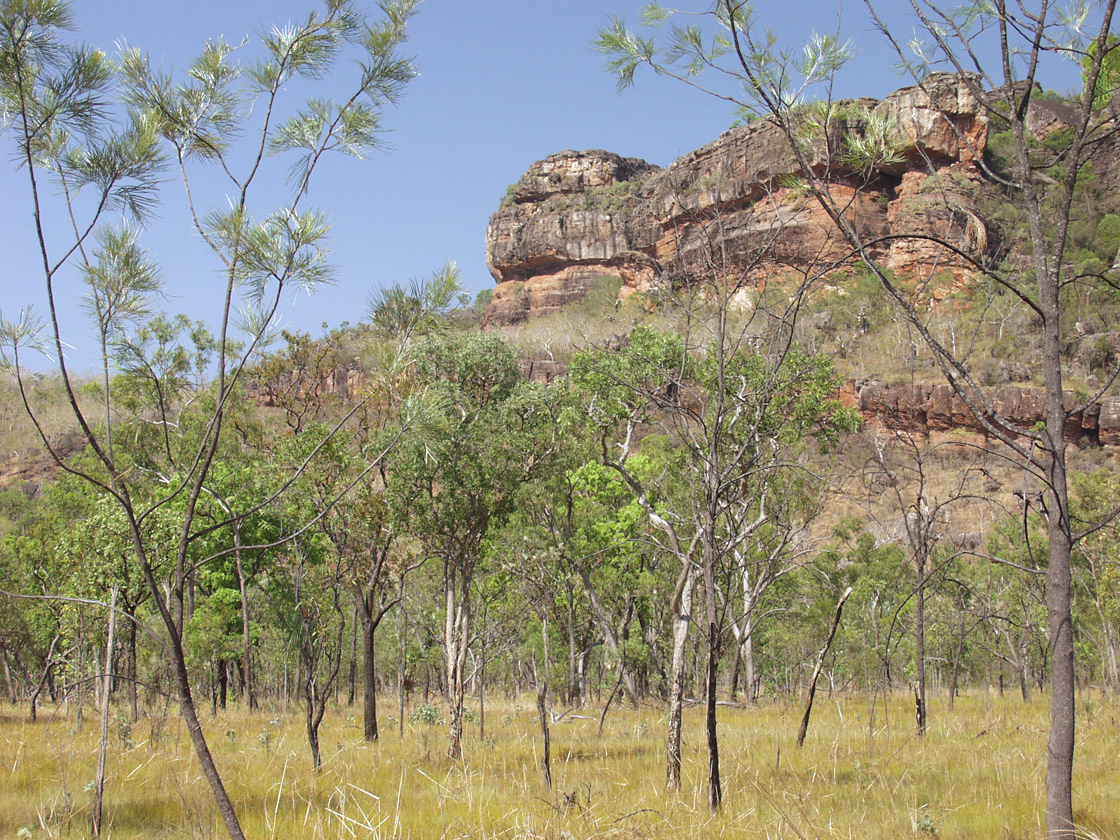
column 588, row 519
column 368, row 556
column 299, row 381
column 776, row 548
column 462, row 475
column 103, row 149
column 33, row 636
column 577, row 544
column 363, row 530
column 308, row 595
column 732, row 393
column 724, row 52
column 1013, row 597
column 736, row 418
column 913, row 511
column 46, row 638
column 100, row 538
column 400, row 315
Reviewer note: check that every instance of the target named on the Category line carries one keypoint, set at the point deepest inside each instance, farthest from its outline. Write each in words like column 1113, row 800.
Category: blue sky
column 503, row 83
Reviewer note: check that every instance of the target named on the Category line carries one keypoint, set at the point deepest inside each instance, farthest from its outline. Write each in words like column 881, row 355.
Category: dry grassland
column 978, row 774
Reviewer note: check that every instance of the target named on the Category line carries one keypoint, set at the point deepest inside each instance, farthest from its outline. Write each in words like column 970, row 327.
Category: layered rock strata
column 924, row 410
column 734, row 208
column 930, row 410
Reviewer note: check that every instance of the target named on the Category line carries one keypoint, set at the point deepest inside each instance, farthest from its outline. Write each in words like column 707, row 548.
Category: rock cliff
column 576, row 218
column 931, row 410
column 935, row 411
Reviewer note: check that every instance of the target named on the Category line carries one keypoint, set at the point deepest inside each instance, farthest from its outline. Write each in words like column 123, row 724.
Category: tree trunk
column 609, row 636
column 749, row 675
column 80, row 668
column 708, row 570
column 369, row 679
column 920, row 653
column 682, row 617
column 957, row 652
column 223, row 682
column 37, row 690
column 213, row 690
column 455, row 724
column 715, row 788
column 574, row 694
column 736, row 667
column 744, row 648
column 1059, row 766
column 542, row 712
column 353, row 675
column 401, row 677
column 201, row 748
column 246, row 638
column 131, row 670
column 482, row 692
column 33, row 710
column 8, row 678
column 582, row 672
column 804, row 728
column 99, row 781
column 458, row 625
column 312, row 727
column 1021, row 669
column 1111, row 657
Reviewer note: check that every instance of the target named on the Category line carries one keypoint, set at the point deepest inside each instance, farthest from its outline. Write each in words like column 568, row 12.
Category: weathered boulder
column 569, row 173
column 514, row 302
column 1108, row 429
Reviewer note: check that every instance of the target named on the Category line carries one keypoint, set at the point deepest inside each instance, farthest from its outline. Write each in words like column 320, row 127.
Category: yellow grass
column 979, row 773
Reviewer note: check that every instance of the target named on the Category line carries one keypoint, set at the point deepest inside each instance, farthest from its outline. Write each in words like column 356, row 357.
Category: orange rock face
column 733, row 208
column 932, row 410
column 514, row 302
column 941, row 206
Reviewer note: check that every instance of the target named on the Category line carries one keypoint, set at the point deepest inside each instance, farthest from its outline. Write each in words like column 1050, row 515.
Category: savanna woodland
column 770, row 494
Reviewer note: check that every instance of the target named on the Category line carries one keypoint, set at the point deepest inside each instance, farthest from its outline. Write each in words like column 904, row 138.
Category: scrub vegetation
column 382, row 583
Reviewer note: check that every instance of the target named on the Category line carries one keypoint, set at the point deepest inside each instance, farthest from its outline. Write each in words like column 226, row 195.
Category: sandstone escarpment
column 930, row 410
column 734, row 207
column 572, row 220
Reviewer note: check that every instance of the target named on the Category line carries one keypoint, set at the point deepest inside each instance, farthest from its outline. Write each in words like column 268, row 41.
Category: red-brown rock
column 733, row 209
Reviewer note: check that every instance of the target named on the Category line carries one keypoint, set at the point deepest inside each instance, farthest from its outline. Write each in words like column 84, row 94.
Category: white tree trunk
column 682, row 617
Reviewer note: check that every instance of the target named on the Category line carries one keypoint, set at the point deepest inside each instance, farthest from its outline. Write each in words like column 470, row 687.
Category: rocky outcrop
column 937, row 120
column 946, row 204
column 572, row 220
column 578, row 218
column 926, row 411
column 931, row 410
column 287, row 387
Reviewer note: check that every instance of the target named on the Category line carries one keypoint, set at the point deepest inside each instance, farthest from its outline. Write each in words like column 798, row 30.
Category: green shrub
column 431, row 715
